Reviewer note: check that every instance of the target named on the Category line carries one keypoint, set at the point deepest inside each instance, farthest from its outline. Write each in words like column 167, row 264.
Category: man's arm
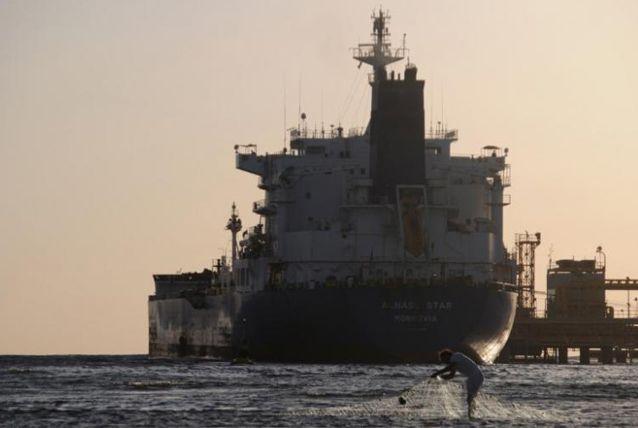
column 449, row 375
column 447, row 372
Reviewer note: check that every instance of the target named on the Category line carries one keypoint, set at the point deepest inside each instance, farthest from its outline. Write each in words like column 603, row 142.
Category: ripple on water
column 135, row 390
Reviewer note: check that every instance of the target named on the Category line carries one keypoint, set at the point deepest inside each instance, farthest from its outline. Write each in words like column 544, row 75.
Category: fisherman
column 457, row 361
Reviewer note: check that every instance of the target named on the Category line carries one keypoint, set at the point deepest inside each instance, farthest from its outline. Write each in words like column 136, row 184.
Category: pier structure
column 577, row 316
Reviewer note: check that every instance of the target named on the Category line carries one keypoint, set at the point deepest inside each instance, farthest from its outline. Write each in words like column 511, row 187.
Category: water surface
column 136, row 390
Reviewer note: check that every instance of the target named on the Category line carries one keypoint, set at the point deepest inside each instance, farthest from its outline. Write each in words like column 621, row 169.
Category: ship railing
column 283, row 152
column 255, row 230
column 246, row 149
column 442, row 134
column 506, row 176
column 329, row 134
column 467, row 157
column 470, row 156
column 493, row 151
column 495, row 163
column 392, row 283
column 263, row 207
column 506, row 200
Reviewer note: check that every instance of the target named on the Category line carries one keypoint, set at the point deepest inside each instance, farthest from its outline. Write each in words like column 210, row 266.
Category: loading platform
column 548, row 340
column 577, row 317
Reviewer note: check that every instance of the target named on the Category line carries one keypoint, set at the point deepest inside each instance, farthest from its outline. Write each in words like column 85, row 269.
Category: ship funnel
column 397, row 146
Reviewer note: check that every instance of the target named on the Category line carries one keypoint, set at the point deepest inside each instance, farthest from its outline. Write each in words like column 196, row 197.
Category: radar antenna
column 379, row 53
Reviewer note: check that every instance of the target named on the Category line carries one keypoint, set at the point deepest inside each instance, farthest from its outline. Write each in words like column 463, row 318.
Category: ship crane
column 234, row 225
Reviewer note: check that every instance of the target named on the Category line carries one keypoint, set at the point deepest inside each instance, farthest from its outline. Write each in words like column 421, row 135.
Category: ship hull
column 335, row 325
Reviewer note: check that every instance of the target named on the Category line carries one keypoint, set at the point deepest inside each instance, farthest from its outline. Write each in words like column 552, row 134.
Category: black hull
column 336, row 325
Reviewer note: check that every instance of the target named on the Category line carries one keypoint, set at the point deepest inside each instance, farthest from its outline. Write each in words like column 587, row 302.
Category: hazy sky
column 118, row 120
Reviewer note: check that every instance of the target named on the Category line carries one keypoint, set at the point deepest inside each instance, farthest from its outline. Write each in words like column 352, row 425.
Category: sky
column 118, row 121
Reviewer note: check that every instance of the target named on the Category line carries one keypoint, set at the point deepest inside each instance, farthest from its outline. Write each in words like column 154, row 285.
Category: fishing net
column 435, row 399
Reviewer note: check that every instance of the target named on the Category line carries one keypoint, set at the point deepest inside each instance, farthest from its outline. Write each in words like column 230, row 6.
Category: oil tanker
column 373, row 245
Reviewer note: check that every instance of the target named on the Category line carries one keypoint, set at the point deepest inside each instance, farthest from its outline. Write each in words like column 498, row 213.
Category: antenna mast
column 299, row 105
column 284, row 113
column 379, row 53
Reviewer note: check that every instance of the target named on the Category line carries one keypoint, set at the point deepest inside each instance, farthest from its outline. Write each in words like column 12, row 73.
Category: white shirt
column 465, row 366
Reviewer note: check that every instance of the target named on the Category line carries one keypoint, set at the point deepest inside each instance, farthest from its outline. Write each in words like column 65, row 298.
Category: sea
column 135, row 390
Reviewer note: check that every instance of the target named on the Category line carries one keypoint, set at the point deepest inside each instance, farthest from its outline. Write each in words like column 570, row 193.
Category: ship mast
column 379, row 53
column 234, row 225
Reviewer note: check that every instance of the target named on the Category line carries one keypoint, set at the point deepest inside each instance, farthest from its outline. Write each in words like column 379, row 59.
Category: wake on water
column 443, row 400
